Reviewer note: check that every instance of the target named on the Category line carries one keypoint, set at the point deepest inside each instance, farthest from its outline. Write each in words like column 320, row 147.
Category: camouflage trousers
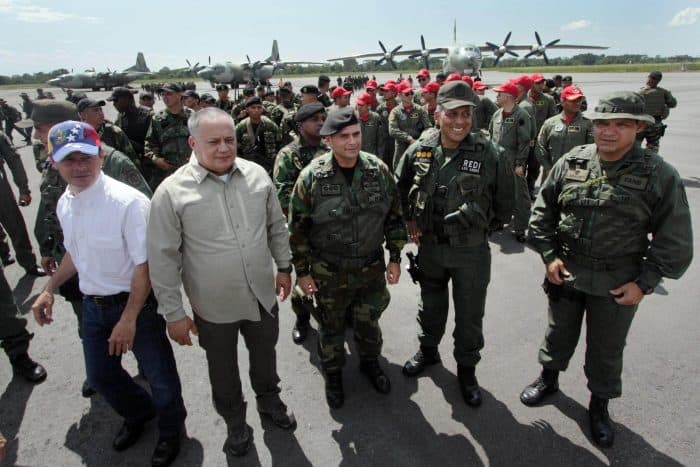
column 364, row 292
column 653, row 134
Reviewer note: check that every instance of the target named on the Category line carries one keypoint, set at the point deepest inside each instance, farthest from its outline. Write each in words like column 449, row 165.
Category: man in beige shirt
column 215, row 226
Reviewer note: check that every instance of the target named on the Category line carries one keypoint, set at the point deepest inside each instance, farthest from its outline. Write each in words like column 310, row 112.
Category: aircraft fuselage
column 463, row 59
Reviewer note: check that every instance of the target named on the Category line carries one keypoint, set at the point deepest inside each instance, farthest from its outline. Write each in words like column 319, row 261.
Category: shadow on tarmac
column 13, row 403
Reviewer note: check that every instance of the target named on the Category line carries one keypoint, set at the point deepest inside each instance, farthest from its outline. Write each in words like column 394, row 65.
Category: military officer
column 561, row 133
column 341, row 98
column 12, row 116
column 453, row 182
column 388, row 90
column 429, row 95
column 290, row 161
column 345, row 205
column 406, row 123
column 371, row 125
column 238, row 112
column 610, row 221
column 511, row 128
column 544, row 107
column 485, row 108
column 223, row 101
column 91, row 112
column 283, row 114
column 166, row 141
column 658, row 101
column 26, row 104
column 258, row 138
column 190, row 99
column 324, row 83
column 146, row 99
column 525, row 84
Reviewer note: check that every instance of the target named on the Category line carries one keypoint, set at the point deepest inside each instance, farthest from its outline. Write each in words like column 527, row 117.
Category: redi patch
column 471, row 167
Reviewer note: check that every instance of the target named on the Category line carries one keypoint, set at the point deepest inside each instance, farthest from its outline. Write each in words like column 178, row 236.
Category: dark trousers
column 155, row 356
column 13, row 222
column 220, row 342
column 607, row 324
column 14, row 337
column 469, row 268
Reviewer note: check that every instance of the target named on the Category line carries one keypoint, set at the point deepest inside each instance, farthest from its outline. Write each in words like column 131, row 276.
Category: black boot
column 374, row 373
column 425, row 357
column 28, row 368
column 547, row 383
column 468, row 385
column 334, row 389
column 300, row 330
column 601, row 427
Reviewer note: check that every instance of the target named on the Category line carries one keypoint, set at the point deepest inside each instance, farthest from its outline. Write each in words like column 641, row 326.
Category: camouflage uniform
column 115, row 137
column 373, row 134
column 336, row 233
column 259, row 145
column 226, row 106
column 406, row 126
column 383, row 111
column 167, row 138
column 658, row 101
column 514, row 133
column 557, row 137
column 288, row 165
column 611, row 223
column 478, row 182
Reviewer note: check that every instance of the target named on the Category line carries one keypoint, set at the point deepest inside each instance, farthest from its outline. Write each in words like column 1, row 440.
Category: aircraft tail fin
column 454, row 32
column 140, row 64
column 275, row 55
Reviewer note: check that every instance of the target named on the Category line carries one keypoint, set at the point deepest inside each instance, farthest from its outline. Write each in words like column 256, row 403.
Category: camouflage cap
column 455, row 94
column 337, row 120
column 53, row 111
column 621, row 104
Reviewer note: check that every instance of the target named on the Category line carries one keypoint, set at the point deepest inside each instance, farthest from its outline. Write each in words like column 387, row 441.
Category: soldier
column 40, row 94
column 290, row 161
column 453, row 182
column 388, row 91
column 344, row 206
column 146, row 99
column 207, row 100
column 511, row 128
column 190, row 99
column 91, row 113
column 371, row 89
column 258, row 138
column 485, row 108
column 658, row 102
column 423, row 78
column 406, row 123
column 166, row 141
column 308, row 94
column 268, row 102
column 610, row 221
column 134, row 121
column 223, row 101
column 10, row 215
column 324, row 83
column 544, row 108
column 27, row 105
column 561, row 133
column 238, row 112
column 341, row 98
column 371, row 125
column 429, row 93
column 567, row 81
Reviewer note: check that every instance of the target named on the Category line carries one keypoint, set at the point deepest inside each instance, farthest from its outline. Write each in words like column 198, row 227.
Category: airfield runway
column 423, row 422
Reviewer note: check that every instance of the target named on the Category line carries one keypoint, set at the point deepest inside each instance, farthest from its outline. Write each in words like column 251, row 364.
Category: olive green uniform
column 657, row 102
column 259, row 143
column 476, row 181
column 611, row 223
column 226, row 106
column 559, row 136
column 167, row 138
column 482, row 113
column 14, row 337
column 406, row 126
column 114, row 136
column 337, row 230
column 514, row 132
column 383, row 111
column 373, row 134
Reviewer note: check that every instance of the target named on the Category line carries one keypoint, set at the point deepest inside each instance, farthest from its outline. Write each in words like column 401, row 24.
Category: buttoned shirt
column 104, row 230
column 217, row 238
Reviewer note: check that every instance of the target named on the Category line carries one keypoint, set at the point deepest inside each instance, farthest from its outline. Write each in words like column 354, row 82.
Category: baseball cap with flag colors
column 71, row 136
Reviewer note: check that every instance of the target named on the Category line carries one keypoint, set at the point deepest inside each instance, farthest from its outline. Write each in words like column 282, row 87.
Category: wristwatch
column 287, row 270
column 646, row 288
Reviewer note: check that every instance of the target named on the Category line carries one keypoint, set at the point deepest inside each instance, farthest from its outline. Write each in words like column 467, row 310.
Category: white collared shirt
column 104, row 230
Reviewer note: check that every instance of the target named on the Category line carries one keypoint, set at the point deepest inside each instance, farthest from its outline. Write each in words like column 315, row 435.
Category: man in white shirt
column 104, row 227
column 215, row 226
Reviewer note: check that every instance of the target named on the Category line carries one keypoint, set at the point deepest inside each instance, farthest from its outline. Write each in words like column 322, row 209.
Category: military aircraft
column 466, row 58
column 251, row 72
column 91, row 79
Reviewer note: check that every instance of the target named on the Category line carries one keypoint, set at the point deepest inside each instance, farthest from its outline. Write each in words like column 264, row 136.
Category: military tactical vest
column 440, row 188
column 173, row 139
column 606, row 215
column 259, row 145
column 348, row 219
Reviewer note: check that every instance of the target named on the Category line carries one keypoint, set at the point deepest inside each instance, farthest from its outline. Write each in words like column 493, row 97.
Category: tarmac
column 423, row 422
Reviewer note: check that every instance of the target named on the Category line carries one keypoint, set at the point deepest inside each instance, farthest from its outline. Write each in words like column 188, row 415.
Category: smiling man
column 610, row 221
column 453, row 183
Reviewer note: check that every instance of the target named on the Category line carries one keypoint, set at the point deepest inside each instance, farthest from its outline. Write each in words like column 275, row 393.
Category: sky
column 43, row 35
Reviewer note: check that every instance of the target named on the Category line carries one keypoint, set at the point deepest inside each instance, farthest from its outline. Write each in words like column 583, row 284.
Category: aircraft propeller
column 500, row 50
column 388, row 56
column 424, row 53
column 540, row 49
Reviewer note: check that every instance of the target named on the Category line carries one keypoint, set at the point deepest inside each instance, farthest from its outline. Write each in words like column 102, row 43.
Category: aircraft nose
column 54, row 81
column 206, row 73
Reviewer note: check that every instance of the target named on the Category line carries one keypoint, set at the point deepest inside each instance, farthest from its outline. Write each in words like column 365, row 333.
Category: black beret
column 337, row 120
column 284, row 90
column 248, row 91
column 120, row 92
column 309, row 89
column 308, row 111
column 252, row 101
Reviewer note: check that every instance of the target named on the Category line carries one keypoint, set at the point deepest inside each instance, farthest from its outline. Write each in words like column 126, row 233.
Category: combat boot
column 374, row 373
column 334, row 389
column 547, row 383
column 425, row 357
column 28, row 368
column 300, row 330
column 601, row 427
column 468, row 385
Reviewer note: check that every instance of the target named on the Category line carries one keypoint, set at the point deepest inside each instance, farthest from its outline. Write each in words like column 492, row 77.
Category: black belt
column 603, row 264
column 109, row 300
column 352, row 263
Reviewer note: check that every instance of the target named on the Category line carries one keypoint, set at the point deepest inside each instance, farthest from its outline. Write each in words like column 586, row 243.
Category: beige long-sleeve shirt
column 217, row 238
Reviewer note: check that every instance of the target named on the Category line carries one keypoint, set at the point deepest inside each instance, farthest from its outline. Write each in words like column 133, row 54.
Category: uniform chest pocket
column 107, row 252
column 468, row 184
column 570, row 226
